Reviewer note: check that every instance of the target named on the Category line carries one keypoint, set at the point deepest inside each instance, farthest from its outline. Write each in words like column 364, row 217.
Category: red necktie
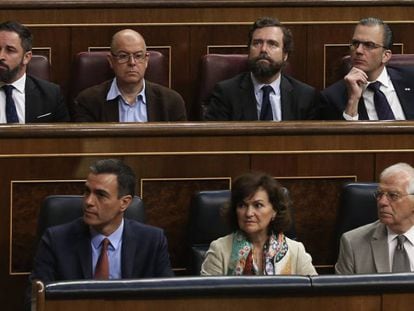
column 102, row 266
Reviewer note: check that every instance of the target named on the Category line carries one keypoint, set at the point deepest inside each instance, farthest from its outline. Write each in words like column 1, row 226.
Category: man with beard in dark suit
column 371, row 90
column 24, row 98
column 264, row 93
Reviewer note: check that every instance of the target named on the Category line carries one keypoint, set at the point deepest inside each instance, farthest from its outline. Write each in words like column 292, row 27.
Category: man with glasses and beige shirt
column 386, row 245
column 128, row 97
column 371, row 90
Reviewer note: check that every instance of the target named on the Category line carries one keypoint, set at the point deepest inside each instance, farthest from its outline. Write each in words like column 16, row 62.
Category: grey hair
column 400, row 168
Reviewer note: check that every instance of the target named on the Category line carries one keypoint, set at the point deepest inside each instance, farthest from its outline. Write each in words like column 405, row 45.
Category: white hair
column 401, row 167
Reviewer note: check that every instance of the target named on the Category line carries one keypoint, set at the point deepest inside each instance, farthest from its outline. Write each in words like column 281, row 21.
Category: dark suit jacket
column 163, row 104
column 64, row 252
column 335, row 97
column 234, row 100
column 44, row 102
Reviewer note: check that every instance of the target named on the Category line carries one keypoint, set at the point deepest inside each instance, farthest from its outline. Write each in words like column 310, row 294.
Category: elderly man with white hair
column 386, row 245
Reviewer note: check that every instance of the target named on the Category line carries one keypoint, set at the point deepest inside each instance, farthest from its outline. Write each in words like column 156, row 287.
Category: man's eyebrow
column 102, row 192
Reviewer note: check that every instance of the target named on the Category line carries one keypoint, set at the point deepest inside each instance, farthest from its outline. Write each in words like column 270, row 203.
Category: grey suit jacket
column 335, row 97
column 163, row 104
column 44, row 102
column 234, row 100
column 364, row 250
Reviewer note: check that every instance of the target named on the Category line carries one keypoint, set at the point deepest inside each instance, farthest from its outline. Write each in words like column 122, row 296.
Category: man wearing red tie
column 103, row 244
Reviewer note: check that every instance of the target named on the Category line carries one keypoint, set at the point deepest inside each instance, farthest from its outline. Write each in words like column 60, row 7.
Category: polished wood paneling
column 302, row 151
column 172, row 161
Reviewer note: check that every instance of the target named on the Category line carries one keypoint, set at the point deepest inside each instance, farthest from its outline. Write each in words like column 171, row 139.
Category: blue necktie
column 266, row 110
column 382, row 106
column 11, row 113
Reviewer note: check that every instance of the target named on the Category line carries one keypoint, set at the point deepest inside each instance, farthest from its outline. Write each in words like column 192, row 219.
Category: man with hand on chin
column 371, row 90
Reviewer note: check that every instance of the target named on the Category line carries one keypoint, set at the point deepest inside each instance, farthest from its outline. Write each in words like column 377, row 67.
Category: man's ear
column 27, row 57
column 110, row 60
column 285, row 56
column 386, row 56
column 125, row 202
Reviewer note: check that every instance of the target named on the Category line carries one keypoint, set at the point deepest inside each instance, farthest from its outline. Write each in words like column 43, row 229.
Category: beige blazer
column 364, row 250
column 296, row 260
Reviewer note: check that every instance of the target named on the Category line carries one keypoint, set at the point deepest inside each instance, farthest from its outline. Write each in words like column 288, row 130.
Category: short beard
column 262, row 70
column 8, row 75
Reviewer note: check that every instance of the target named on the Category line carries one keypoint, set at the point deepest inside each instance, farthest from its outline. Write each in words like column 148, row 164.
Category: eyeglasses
column 122, row 58
column 366, row 45
column 391, row 195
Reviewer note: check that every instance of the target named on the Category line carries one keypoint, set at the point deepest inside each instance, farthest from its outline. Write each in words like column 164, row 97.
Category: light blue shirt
column 135, row 112
column 273, row 96
column 114, row 250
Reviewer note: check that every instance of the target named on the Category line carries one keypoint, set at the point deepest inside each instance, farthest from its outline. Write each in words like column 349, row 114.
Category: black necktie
column 11, row 113
column 266, row 110
column 382, row 106
column 400, row 262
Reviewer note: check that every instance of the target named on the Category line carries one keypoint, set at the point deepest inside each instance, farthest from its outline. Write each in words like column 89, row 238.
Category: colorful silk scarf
column 241, row 260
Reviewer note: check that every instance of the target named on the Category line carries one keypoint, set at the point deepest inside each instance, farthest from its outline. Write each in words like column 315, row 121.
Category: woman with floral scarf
column 259, row 213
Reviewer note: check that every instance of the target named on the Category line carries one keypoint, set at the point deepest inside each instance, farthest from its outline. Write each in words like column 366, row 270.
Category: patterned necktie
column 400, row 262
column 11, row 113
column 102, row 266
column 266, row 110
column 382, row 106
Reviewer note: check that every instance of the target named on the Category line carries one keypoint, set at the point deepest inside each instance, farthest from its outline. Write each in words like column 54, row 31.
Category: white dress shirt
column 273, row 96
column 388, row 89
column 19, row 97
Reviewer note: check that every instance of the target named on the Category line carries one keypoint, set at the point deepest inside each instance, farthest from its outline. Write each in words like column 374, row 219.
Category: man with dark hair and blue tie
column 371, row 90
column 264, row 92
column 24, row 98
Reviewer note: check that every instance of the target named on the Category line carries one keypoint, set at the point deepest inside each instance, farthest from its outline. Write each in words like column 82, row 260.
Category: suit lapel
column 248, row 110
column 153, row 108
column 404, row 92
column 84, row 251
column 362, row 110
column 110, row 111
column 32, row 100
column 129, row 245
column 286, row 99
column 379, row 246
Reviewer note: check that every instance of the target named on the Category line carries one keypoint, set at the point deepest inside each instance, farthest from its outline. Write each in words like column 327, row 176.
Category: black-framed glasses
column 122, row 57
column 391, row 195
column 366, row 45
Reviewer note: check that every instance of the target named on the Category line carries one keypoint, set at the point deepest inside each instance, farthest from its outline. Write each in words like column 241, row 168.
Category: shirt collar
column 114, row 92
column 385, row 79
column 114, row 238
column 19, row 84
column 258, row 86
column 408, row 234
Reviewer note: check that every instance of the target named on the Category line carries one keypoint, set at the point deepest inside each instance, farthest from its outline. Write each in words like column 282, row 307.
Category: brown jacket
column 163, row 104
